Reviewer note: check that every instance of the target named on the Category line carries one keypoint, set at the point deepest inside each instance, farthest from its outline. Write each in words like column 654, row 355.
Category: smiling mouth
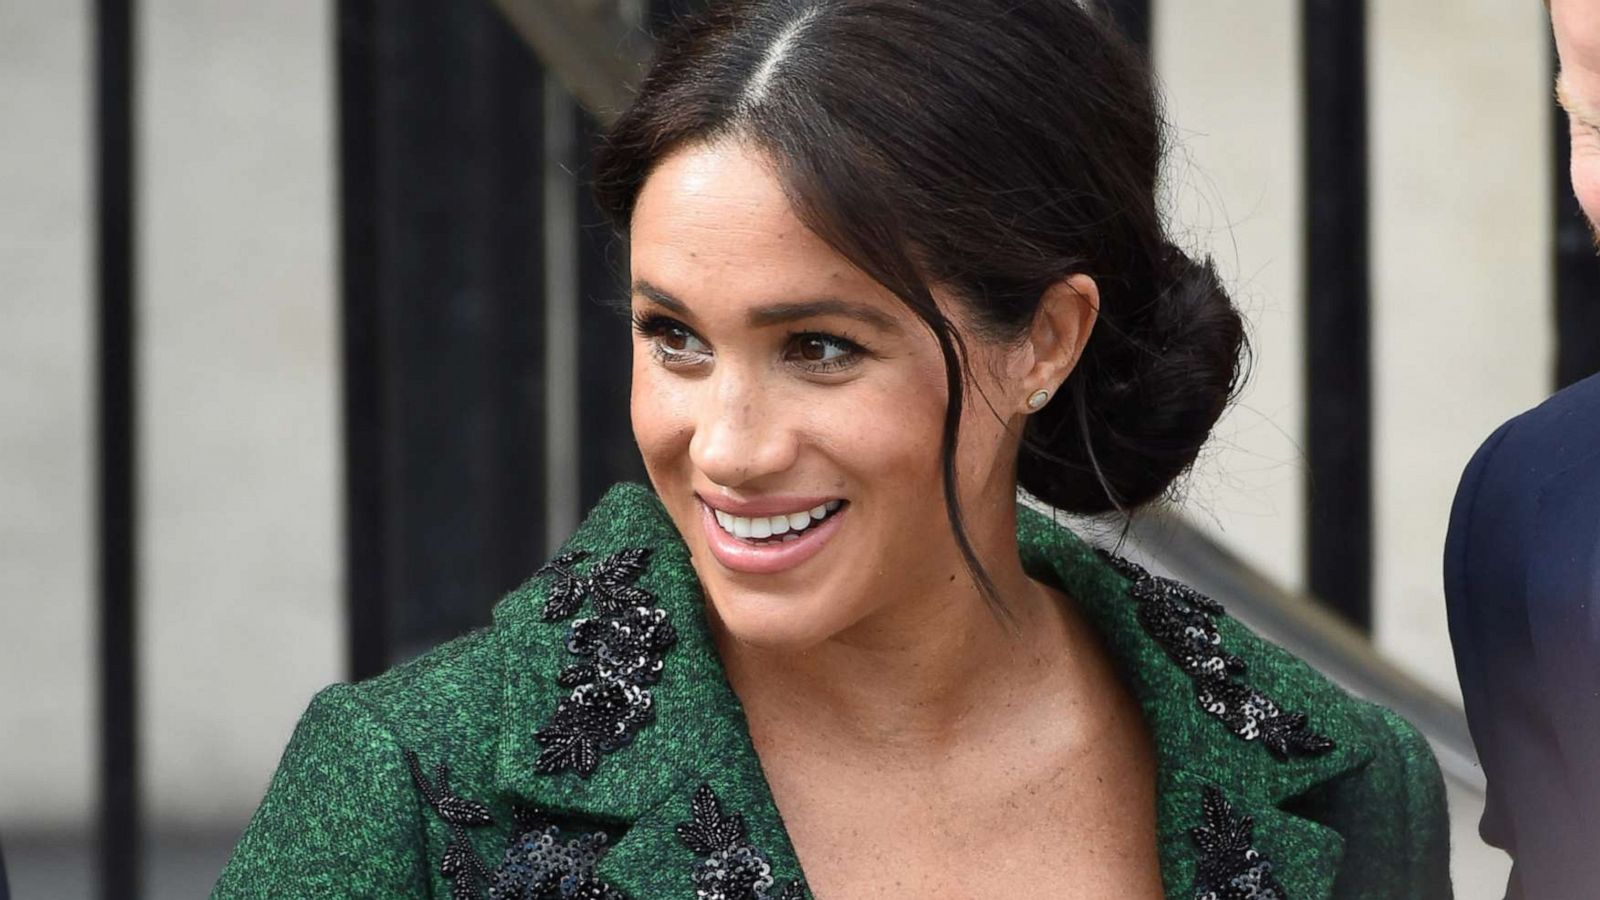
column 764, row 530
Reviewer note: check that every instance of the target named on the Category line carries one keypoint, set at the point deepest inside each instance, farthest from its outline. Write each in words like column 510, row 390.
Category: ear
column 1061, row 329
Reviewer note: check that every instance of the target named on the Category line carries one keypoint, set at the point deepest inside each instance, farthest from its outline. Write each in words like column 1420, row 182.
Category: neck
column 921, row 672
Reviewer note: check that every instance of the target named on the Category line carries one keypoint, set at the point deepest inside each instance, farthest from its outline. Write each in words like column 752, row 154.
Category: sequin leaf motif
column 565, row 591
column 596, row 718
column 608, row 585
column 1230, row 866
column 1183, row 622
column 461, row 864
column 620, row 650
column 538, row 863
column 730, row 868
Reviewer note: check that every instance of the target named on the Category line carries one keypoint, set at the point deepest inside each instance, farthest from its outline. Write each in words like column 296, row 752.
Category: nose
column 741, row 432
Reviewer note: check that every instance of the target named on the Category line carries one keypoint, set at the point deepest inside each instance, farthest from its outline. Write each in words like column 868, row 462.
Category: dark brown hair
column 994, row 148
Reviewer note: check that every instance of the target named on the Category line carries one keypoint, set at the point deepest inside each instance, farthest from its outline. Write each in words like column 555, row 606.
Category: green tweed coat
column 587, row 745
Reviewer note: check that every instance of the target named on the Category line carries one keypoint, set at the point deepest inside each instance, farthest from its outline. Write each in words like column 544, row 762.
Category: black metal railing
column 115, row 95
column 441, row 130
column 1338, row 418
column 367, row 516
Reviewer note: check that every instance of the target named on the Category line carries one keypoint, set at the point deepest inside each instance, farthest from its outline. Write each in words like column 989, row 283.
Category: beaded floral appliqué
column 538, row 864
column 620, row 649
column 1230, row 866
column 1183, row 622
column 730, row 868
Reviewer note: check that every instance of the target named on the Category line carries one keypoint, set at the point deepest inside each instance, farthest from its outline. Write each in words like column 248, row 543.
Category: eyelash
column 653, row 326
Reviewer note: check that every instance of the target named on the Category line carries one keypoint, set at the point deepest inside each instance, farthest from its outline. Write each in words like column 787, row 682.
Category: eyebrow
column 781, row 313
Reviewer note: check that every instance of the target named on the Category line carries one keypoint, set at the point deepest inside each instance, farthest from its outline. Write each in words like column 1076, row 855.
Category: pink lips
column 768, row 558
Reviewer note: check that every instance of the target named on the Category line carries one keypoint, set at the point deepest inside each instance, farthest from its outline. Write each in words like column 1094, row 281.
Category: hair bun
column 1151, row 385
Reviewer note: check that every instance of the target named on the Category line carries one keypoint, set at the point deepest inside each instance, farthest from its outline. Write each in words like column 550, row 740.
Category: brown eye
column 819, row 352
column 813, row 349
column 675, row 339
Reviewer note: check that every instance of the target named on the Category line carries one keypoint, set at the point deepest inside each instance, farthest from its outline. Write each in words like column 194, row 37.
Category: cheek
column 983, row 450
column 890, row 432
column 986, row 456
column 905, row 442
column 660, row 409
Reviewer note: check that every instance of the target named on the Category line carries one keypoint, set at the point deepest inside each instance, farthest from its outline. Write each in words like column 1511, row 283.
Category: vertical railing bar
column 366, row 428
column 561, row 426
column 121, row 835
column 1339, row 431
column 605, row 433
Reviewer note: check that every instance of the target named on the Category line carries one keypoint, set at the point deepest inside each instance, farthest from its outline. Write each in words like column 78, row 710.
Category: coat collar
column 699, row 736
column 1195, row 750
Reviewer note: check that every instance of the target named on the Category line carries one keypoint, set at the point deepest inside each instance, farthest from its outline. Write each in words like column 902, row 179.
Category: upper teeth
column 767, row 526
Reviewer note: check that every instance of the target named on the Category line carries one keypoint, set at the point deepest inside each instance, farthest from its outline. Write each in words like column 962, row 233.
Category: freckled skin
column 715, row 230
column 906, row 731
column 1577, row 32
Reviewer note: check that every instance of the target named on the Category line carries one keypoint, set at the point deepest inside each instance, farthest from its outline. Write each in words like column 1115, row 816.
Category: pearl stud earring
column 1037, row 400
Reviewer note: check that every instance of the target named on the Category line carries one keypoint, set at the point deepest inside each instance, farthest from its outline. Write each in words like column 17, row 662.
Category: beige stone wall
column 46, row 573
column 1231, row 78
column 239, row 289
column 240, row 616
column 1462, row 324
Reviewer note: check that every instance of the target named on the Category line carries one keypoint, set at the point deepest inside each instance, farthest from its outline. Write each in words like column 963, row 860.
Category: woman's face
column 789, row 410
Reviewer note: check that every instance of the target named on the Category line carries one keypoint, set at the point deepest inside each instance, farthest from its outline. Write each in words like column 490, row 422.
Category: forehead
column 716, row 215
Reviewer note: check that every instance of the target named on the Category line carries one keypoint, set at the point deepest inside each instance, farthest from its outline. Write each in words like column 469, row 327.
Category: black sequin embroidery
column 1182, row 621
column 538, row 864
column 461, row 866
column 621, row 649
column 1230, row 866
column 730, row 868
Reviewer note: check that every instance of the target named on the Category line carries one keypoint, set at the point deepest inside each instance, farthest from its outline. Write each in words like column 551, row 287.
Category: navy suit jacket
column 1522, row 583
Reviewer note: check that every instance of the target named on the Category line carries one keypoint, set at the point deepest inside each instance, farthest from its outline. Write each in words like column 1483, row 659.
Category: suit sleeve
column 1427, row 822
column 340, row 819
column 1483, row 590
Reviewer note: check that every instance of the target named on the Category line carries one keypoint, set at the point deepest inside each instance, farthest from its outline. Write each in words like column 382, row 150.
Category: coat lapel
column 697, row 735
column 1195, row 750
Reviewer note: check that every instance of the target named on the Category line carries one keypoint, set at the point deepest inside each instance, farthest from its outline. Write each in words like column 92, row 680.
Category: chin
column 786, row 623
